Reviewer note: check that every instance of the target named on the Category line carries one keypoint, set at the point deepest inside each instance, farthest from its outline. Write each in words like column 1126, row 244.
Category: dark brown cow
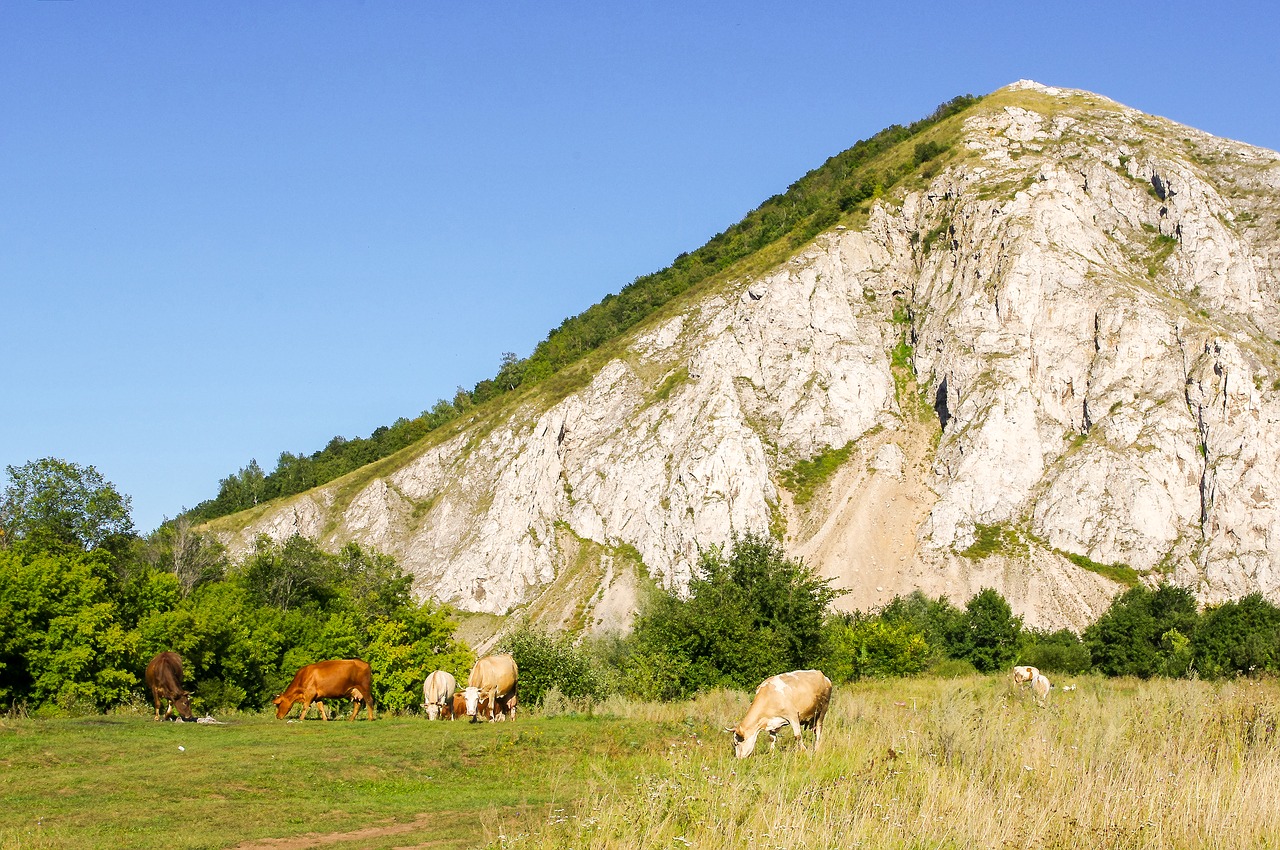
column 343, row 679
column 164, row 679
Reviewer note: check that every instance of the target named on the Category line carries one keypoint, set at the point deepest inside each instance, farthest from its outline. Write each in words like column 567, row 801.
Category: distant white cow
column 437, row 695
column 1040, row 687
column 798, row 699
column 1024, row 674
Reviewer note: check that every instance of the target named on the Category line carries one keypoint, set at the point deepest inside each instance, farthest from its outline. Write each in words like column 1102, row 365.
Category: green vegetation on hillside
column 79, row 620
column 842, row 185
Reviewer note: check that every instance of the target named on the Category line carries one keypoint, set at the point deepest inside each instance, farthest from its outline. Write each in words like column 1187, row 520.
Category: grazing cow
column 164, row 679
column 492, row 687
column 342, row 679
column 798, row 699
column 1024, row 674
column 437, row 694
column 1040, row 687
column 459, row 706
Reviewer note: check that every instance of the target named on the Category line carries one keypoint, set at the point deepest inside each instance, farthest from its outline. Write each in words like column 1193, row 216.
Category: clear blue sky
column 233, row 229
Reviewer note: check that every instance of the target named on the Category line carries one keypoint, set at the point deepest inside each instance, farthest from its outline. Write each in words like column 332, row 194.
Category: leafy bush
column 991, row 632
column 1055, row 652
column 748, row 616
column 1238, row 637
column 1130, row 637
column 553, row 662
column 870, row 647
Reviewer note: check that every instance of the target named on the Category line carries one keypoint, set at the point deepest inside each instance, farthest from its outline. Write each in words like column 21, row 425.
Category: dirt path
column 435, row 830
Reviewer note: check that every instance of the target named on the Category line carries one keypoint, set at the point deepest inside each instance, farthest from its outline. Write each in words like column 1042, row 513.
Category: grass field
column 922, row 763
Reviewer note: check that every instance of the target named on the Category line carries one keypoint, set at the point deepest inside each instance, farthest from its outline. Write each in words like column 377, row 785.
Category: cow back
column 439, row 688
column 495, row 674
column 164, row 674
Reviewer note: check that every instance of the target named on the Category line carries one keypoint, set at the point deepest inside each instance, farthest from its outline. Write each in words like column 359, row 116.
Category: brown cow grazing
column 459, row 706
column 492, row 682
column 797, row 699
column 437, row 695
column 342, row 679
column 164, row 679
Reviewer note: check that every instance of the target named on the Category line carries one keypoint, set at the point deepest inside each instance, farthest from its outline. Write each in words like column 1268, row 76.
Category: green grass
column 804, row 479
column 905, row 763
column 1119, row 573
column 121, row 781
column 997, row 538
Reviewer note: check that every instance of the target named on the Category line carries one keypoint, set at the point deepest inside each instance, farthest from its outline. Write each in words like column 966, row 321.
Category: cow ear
column 730, row 730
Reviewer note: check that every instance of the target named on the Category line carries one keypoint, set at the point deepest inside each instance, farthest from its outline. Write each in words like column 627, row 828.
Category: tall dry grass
column 967, row 763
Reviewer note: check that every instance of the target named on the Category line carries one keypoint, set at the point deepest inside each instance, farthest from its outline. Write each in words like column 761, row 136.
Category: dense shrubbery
column 84, row 604
column 81, row 614
column 809, row 206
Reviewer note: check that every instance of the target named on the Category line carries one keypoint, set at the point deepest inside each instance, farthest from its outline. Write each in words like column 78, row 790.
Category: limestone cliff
column 1053, row 358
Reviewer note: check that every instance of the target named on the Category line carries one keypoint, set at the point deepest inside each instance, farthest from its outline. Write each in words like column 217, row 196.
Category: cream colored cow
column 1040, row 687
column 798, row 699
column 1024, row 674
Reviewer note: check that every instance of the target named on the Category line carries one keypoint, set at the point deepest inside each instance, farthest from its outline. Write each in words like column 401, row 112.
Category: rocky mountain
column 1048, row 363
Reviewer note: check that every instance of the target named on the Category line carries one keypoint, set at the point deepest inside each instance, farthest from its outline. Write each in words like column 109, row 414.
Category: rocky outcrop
column 1053, row 363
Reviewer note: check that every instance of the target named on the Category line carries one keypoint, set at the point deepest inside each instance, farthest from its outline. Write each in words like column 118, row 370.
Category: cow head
column 283, row 704
column 744, row 743
column 472, row 697
column 182, row 701
column 433, row 710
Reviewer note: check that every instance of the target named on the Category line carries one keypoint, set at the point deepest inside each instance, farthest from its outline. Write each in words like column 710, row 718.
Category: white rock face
column 1094, row 305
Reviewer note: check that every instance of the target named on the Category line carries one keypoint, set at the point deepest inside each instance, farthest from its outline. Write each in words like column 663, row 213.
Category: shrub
column 1055, row 652
column 1129, row 639
column 991, row 632
column 553, row 663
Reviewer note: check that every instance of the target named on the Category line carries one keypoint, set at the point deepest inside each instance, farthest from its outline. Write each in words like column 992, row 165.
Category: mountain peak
column 1037, row 353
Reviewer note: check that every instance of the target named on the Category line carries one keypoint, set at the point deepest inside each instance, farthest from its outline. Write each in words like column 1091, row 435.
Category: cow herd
column 798, row 699
column 490, row 693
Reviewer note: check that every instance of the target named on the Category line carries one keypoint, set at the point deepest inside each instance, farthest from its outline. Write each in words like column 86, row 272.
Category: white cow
column 491, row 688
column 798, row 699
column 1040, row 687
column 1024, row 674
column 437, row 694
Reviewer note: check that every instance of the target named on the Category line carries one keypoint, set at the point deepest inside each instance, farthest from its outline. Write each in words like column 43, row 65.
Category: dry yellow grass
column 968, row 763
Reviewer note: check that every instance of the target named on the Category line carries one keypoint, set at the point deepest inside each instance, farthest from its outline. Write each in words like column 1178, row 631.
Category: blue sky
column 230, row 230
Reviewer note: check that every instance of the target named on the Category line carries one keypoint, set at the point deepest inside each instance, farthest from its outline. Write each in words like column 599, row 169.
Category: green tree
column 991, row 631
column 1238, row 637
column 403, row 651
column 295, row 574
column 56, row 502
column 547, row 661
column 1129, row 639
column 1061, row 651
column 861, row 647
column 941, row 623
column 748, row 615
column 61, row 641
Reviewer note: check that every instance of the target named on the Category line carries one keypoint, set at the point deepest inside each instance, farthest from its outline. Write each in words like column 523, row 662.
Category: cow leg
column 797, row 730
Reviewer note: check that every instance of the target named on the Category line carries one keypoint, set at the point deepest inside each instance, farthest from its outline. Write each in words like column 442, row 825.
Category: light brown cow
column 492, row 681
column 164, row 679
column 345, row 678
column 798, row 699
column 1024, row 674
column 437, row 694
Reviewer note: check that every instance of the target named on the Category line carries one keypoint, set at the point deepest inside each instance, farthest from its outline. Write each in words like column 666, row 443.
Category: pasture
column 916, row 763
